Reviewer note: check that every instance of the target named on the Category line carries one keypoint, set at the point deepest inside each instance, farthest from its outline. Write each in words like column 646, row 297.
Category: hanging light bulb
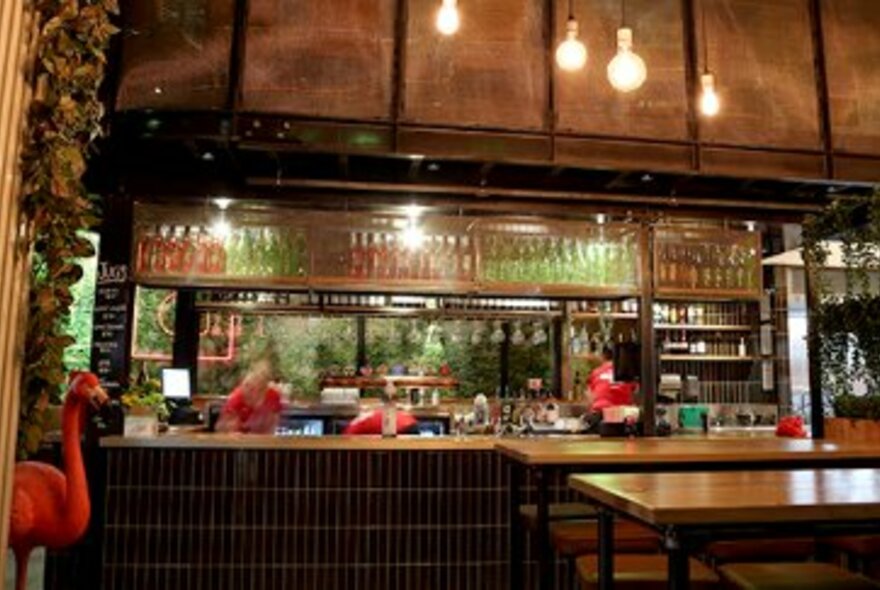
column 448, row 19
column 627, row 70
column 571, row 55
column 709, row 101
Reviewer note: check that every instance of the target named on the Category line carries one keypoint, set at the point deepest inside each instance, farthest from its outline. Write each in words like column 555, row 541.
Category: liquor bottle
column 142, row 251
column 464, row 264
column 389, row 411
column 355, row 257
column 742, row 347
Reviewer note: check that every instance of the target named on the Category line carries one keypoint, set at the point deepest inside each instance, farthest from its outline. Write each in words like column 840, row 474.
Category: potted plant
column 144, row 408
column 845, row 316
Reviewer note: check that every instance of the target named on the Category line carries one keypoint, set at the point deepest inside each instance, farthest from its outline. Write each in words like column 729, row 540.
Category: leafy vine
column 63, row 121
column 846, row 319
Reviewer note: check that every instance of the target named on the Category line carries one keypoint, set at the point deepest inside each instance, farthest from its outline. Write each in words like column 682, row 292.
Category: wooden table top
column 203, row 440
column 670, row 451
column 738, row 497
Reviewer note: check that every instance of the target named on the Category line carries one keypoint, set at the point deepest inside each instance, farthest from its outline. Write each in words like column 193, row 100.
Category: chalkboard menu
column 109, row 333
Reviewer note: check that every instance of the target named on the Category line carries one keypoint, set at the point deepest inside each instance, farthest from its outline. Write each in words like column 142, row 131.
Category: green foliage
column 846, row 325
column 147, row 395
column 63, row 121
column 78, row 324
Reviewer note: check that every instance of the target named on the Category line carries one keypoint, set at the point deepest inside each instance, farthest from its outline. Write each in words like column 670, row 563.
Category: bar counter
column 188, row 439
column 203, row 510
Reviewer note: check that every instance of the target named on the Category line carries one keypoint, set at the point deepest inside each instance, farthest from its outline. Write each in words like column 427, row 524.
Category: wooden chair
column 760, row 550
column 862, row 552
column 797, row 576
column 642, row 572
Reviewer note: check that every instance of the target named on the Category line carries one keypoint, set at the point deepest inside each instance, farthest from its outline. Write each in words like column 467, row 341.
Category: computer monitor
column 176, row 384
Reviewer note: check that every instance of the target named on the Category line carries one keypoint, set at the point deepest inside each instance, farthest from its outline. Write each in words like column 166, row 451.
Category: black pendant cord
column 622, row 13
column 705, row 36
column 571, row 10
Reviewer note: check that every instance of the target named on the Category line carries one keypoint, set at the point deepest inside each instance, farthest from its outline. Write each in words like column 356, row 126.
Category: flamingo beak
column 98, row 396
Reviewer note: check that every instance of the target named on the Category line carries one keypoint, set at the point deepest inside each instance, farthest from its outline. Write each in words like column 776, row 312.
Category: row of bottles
column 267, row 251
column 701, row 265
column 389, row 256
column 702, row 314
column 702, row 344
column 179, row 250
column 193, row 250
column 624, row 306
column 545, row 259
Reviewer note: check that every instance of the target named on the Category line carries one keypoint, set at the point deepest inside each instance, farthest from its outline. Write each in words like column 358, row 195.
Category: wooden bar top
column 738, row 497
column 680, row 450
column 205, row 440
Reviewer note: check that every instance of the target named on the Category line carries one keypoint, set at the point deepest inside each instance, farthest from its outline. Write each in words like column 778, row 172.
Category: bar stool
column 642, row 572
column 760, row 550
column 858, row 549
column 800, row 576
column 573, row 538
column 559, row 511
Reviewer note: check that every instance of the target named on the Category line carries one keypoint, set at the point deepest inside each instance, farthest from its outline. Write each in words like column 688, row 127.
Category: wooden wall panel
column 175, row 54
column 852, row 57
column 17, row 48
column 586, row 102
column 491, row 74
column 326, row 59
column 762, row 55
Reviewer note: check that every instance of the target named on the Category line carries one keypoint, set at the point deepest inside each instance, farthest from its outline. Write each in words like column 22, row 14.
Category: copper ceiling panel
column 175, row 54
column 586, row 102
column 332, row 58
column 852, row 57
column 762, row 55
column 491, row 74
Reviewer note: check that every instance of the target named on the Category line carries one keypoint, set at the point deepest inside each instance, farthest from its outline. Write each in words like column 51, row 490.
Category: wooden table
column 690, row 508
column 546, row 457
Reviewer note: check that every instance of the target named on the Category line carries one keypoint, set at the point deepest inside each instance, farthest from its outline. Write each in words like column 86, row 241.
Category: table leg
column 546, row 558
column 679, row 568
column 606, row 549
column 515, row 569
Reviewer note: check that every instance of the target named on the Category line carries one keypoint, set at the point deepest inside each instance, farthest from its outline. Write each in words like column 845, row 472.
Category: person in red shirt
column 253, row 406
column 604, row 391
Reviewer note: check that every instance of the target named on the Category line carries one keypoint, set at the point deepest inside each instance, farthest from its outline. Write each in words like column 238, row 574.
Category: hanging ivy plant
column 846, row 322
column 63, row 121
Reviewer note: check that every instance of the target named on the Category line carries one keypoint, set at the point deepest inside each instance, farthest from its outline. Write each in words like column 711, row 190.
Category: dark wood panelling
column 857, row 169
column 328, row 59
column 762, row 55
column 490, row 146
column 630, row 155
column 176, row 54
column 762, row 164
column 586, row 102
column 315, row 135
column 491, row 74
column 852, row 55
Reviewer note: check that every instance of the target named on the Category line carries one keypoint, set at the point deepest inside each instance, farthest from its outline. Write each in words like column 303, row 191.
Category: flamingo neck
column 77, row 499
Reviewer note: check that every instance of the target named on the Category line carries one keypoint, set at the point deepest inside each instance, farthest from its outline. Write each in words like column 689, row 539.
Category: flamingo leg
column 21, row 568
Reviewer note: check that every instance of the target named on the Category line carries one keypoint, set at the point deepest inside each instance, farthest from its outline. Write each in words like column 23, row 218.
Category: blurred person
column 254, row 406
column 603, row 392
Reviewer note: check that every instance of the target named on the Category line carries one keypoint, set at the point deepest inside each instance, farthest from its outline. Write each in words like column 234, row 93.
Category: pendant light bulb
column 571, row 55
column 710, row 104
column 627, row 70
column 448, row 19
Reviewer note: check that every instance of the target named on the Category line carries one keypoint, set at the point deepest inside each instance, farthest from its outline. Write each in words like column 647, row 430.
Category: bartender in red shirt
column 604, row 391
column 254, row 406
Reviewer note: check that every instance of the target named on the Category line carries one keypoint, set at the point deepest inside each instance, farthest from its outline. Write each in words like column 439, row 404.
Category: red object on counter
column 791, row 427
column 371, row 423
